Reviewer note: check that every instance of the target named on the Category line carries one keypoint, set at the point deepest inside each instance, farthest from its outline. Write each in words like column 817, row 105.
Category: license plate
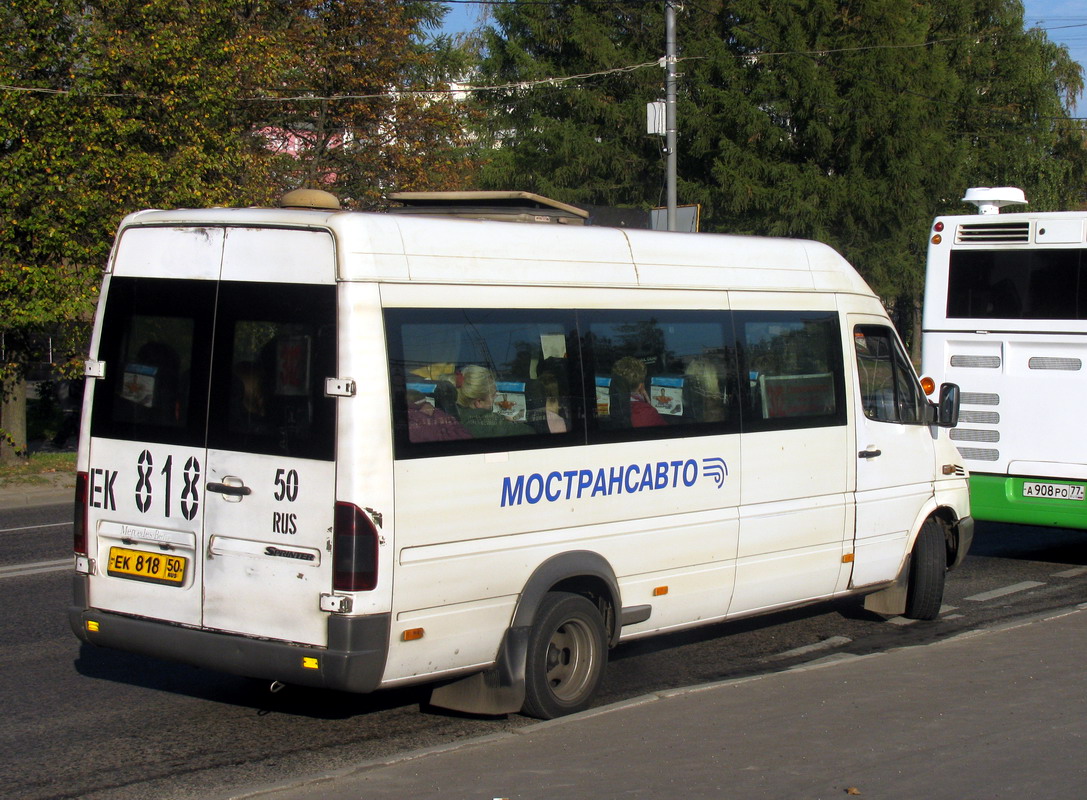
column 1056, row 491
column 141, row 565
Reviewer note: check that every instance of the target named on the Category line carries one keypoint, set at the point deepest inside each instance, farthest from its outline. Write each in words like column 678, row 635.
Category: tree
column 363, row 105
column 110, row 107
column 580, row 141
column 852, row 123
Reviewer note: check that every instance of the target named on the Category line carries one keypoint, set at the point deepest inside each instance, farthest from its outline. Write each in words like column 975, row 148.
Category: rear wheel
column 567, row 650
column 928, row 568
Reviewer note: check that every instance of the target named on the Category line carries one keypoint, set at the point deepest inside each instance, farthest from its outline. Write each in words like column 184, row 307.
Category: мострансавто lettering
column 575, row 484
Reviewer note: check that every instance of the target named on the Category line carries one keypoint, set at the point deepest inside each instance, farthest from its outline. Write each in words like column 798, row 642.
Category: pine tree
column 853, row 123
column 579, row 141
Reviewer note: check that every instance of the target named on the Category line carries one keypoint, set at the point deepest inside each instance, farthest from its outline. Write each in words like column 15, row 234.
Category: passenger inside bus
column 703, row 391
column 152, row 386
column 247, row 399
column 426, row 423
column 476, row 392
column 548, row 410
column 631, row 372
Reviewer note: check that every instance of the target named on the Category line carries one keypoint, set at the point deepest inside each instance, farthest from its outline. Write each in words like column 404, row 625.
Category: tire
column 928, row 568
column 567, row 651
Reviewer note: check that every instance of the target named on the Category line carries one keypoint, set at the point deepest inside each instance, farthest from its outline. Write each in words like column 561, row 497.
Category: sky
column 1065, row 22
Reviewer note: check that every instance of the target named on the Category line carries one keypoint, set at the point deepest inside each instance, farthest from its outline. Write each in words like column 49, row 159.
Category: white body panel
column 697, row 527
column 1022, row 377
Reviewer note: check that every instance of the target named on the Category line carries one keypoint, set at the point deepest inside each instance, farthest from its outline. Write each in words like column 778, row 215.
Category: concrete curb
column 319, row 781
column 57, row 491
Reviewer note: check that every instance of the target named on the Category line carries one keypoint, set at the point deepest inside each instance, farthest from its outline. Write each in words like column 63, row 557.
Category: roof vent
column 496, row 205
column 991, row 200
column 310, row 199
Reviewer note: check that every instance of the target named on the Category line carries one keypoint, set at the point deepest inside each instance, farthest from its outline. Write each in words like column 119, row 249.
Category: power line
column 456, row 90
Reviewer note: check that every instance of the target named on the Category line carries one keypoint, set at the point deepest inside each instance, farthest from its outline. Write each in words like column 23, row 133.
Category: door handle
column 229, row 490
column 871, row 452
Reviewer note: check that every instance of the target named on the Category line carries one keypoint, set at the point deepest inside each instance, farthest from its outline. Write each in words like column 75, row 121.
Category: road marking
column 34, row 527
column 826, row 644
column 35, row 568
column 1015, row 587
column 1071, row 573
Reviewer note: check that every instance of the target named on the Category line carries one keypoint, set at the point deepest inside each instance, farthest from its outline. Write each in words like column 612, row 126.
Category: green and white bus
column 1005, row 317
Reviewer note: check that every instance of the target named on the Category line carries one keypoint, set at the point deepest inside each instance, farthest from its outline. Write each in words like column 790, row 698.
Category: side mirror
column 947, row 410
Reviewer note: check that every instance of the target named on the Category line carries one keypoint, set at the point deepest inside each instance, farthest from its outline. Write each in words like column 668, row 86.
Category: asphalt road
column 82, row 722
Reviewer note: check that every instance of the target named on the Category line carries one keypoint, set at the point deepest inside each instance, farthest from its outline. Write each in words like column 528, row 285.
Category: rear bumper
column 999, row 498
column 354, row 661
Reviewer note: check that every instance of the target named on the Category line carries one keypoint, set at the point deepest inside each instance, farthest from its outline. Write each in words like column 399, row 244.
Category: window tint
column 475, row 380
column 791, row 369
column 889, row 390
column 1023, row 284
column 660, row 373
column 484, row 379
column 156, row 343
column 274, row 346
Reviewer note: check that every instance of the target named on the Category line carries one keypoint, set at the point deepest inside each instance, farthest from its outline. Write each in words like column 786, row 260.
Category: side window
column 889, row 390
column 791, row 368
column 464, row 378
column 660, row 373
column 156, row 342
column 274, row 346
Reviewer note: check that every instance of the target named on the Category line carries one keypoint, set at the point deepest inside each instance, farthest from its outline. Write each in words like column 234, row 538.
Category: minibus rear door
column 270, row 479
column 211, row 475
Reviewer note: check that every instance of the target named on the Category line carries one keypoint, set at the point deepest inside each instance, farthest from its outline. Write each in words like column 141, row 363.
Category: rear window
column 1017, row 284
column 274, row 345
column 156, row 344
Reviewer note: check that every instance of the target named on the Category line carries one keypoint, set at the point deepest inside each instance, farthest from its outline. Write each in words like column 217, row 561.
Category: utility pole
column 670, row 109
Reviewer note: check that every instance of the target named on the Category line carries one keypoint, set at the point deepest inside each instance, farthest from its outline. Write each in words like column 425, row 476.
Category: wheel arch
column 581, row 572
column 500, row 689
column 958, row 534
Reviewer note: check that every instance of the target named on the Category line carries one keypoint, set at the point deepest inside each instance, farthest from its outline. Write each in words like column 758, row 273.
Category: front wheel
column 567, row 650
column 928, row 568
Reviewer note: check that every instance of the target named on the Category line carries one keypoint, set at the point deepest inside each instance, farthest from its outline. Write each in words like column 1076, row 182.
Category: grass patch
column 38, row 467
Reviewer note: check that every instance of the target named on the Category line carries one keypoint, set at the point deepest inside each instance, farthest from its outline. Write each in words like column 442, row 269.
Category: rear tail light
column 354, row 550
column 79, row 518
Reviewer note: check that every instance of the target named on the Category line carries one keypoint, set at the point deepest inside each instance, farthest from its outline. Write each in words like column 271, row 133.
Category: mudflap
column 891, row 600
column 495, row 691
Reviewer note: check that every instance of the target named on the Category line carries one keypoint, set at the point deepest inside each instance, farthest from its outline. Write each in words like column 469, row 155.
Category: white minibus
column 360, row 451
column 1005, row 317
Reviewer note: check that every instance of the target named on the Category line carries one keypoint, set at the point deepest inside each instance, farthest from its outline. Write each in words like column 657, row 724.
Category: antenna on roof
column 990, row 200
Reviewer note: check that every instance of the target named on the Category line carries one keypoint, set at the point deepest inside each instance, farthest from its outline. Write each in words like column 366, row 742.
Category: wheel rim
column 571, row 660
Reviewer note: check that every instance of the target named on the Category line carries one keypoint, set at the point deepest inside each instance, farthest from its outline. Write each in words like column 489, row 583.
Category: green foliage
column 110, row 106
column 119, row 106
column 580, row 142
column 849, row 122
column 356, row 108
